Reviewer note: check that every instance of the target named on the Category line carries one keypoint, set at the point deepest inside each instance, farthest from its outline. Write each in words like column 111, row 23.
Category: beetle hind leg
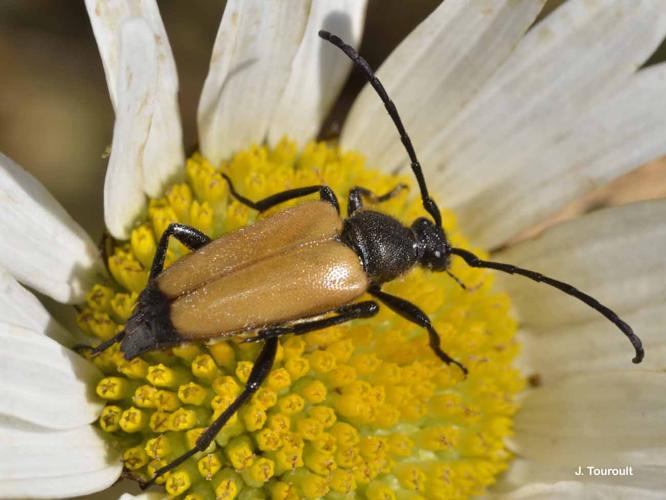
column 412, row 313
column 346, row 313
column 261, row 369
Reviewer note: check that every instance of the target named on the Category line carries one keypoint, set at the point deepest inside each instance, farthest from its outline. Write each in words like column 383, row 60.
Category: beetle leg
column 107, row 343
column 357, row 194
column 365, row 309
column 188, row 236
column 412, row 313
column 325, row 193
column 261, row 369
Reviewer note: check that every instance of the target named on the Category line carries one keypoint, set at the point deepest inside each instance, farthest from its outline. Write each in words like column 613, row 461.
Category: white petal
column 573, row 61
column 44, row 383
column 625, row 131
column 163, row 155
column 567, row 490
column 40, row 463
column 319, row 70
column 42, row 246
column 107, row 18
column 434, row 72
column 20, row 307
column 249, row 69
column 124, row 199
column 600, row 419
column 646, row 479
column 615, row 255
column 562, row 350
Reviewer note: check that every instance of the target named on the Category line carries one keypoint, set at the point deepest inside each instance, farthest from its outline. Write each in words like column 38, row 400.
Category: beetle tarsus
column 325, row 193
column 412, row 313
column 260, row 370
column 188, row 236
column 357, row 194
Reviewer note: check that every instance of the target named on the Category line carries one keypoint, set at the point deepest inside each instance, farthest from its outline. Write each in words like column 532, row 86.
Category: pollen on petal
column 362, row 409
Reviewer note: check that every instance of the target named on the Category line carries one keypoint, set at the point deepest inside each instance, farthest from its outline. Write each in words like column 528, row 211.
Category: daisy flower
column 511, row 120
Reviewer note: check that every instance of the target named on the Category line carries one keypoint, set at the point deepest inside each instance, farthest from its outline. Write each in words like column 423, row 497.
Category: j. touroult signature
column 590, row 470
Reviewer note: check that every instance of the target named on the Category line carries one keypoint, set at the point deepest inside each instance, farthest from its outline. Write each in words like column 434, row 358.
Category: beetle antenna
column 428, row 203
column 473, row 261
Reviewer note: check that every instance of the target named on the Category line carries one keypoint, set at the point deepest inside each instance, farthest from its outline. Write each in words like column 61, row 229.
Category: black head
column 434, row 248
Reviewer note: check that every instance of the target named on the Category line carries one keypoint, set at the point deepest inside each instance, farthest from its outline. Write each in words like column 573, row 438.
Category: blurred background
column 56, row 119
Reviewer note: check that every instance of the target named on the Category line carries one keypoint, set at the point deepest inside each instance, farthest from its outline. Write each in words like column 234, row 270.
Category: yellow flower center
column 364, row 408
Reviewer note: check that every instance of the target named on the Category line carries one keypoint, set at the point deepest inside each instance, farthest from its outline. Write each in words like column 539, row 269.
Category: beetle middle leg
column 357, row 194
column 412, row 313
column 346, row 313
column 325, row 193
column 261, row 369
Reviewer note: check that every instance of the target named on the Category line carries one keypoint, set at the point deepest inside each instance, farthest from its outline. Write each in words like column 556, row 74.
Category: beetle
column 300, row 270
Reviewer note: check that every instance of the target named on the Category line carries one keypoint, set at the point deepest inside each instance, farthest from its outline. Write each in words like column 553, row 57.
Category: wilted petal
column 434, row 72
column 163, row 155
column 124, row 199
column 42, row 463
column 42, row 246
column 318, row 72
column 251, row 64
column 44, row 383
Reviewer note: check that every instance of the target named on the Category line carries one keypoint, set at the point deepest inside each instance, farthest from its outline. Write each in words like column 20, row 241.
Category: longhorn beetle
column 283, row 274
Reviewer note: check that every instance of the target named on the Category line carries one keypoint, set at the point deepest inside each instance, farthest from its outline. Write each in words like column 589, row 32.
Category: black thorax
column 386, row 248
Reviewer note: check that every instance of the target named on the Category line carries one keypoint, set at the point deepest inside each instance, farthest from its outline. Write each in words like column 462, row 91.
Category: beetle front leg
column 261, row 369
column 325, row 193
column 357, row 194
column 412, row 313
column 188, row 236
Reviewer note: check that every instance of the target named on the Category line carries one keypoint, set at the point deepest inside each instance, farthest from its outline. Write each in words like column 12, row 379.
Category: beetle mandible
column 300, row 271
